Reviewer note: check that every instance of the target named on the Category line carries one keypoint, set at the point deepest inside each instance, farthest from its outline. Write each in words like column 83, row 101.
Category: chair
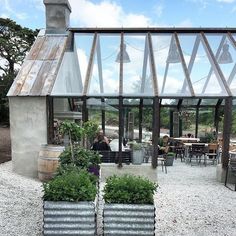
column 179, row 150
column 197, row 151
column 212, row 152
column 161, row 158
column 232, row 169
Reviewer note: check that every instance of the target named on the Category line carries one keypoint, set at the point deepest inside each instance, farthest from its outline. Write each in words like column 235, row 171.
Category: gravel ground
column 189, row 202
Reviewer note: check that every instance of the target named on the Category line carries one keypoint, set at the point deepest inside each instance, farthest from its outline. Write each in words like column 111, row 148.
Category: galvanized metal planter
column 128, row 219
column 69, row 218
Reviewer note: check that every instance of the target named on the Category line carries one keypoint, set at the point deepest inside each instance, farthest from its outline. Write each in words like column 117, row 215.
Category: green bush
column 129, row 189
column 70, row 186
column 64, row 169
column 83, row 158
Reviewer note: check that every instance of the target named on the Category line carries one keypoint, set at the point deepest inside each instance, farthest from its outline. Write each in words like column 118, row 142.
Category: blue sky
column 128, row 13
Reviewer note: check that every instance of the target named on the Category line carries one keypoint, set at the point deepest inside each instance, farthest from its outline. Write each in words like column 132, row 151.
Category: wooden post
column 140, row 120
column 155, row 130
column 50, row 118
column 226, row 131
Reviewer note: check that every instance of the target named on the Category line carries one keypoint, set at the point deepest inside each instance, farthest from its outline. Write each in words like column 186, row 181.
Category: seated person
column 101, row 143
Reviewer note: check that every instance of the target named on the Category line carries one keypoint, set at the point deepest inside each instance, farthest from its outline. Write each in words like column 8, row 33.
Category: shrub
column 129, row 189
column 64, row 169
column 70, row 186
column 83, row 158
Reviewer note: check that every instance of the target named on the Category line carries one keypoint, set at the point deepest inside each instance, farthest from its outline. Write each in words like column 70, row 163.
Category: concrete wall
column 144, row 170
column 28, row 123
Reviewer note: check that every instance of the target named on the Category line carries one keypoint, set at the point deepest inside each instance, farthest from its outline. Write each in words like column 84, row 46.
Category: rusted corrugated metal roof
column 39, row 70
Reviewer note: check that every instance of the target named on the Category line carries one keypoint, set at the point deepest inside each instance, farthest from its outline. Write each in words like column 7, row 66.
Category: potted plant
column 129, row 206
column 70, row 203
column 83, row 158
column 169, row 159
column 137, row 151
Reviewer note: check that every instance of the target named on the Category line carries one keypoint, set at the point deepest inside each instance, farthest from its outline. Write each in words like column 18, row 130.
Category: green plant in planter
column 129, row 189
column 83, row 158
column 72, row 186
column 90, row 130
column 74, row 131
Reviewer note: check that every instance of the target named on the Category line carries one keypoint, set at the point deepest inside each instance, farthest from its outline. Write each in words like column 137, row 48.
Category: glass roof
column 167, row 65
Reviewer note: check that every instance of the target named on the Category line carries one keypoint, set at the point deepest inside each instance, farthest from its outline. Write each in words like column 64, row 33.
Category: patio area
column 189, row 201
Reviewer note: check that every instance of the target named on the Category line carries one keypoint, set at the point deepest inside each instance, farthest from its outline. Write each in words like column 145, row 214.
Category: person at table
column 101, row 142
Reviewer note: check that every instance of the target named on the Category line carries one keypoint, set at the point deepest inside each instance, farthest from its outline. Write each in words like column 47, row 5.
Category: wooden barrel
column 48, row 161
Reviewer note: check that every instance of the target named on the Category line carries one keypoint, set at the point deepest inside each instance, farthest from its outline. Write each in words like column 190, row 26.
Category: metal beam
column 121, row 130
column 185, row 69
column 192, row 59
column 216, row 57
column 145, row 60
column 155, row 130
column 153, row 30
column 99, row 60
column 152, row 65
column 140, row 120
column 121, row 64
column 50, row 120
column 226, row 131
column 90, row 66
column 214, row 64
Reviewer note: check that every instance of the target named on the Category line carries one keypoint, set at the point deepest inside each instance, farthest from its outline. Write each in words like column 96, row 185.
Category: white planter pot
column 128, row 219
column 69, row 218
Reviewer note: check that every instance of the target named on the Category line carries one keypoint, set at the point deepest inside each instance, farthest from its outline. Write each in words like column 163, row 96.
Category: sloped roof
column 39, row 70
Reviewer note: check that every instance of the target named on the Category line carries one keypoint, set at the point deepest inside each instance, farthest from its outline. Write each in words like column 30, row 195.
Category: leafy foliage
column 83, row 158
column 63, row 169
column 70, row 186
column 129, row 189
column 90, row 129
column 72, row 129
column 15, row 41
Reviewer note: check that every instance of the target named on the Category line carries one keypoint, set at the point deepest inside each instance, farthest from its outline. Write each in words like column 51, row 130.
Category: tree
column 15, row 41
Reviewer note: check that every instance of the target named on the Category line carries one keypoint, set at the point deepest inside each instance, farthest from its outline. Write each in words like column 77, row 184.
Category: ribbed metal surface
column 69, row 218
column 129, row 219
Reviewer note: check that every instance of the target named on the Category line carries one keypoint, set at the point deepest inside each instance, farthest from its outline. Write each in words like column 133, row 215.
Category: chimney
column 57, row 16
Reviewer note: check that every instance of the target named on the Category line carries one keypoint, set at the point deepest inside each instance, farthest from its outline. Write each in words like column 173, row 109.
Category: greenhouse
column 71, row 71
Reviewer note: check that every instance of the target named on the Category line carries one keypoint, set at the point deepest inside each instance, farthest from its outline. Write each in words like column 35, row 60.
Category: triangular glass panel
column 137, row 76
column 171, row 78
column 225, row 55
column 204, row 77
column 109, row 69
column 83, row 44
column 104, row 80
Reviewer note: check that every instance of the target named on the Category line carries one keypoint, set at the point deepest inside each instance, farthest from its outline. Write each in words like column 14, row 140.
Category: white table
column 185, row 139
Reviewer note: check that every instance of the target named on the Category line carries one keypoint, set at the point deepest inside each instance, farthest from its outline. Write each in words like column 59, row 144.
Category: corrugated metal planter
column 69, row 218
column 128, row 219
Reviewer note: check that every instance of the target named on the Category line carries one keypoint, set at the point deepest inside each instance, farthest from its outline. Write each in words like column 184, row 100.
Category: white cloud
column 105, row 14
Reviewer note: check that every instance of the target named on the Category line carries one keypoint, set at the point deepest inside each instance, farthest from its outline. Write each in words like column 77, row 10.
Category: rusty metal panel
column 50, row 79
column 20, row 78
column 42, row 76
column 38, row 73
column 69, row 218
column 57, row 49
column 48, row 43
column 35, row 49
column 129, row 219
column 31, row 77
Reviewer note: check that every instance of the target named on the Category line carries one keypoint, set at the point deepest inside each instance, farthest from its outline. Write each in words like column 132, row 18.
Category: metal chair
column 212, row 152
column 196, row 152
